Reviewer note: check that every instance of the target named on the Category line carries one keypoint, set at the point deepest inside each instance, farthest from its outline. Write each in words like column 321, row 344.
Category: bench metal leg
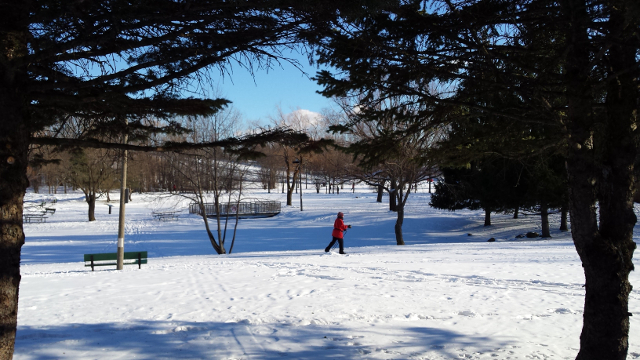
column 91, row 262
column 139, row 261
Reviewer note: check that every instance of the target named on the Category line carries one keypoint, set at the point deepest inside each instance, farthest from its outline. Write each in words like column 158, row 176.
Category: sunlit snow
column 447, row 294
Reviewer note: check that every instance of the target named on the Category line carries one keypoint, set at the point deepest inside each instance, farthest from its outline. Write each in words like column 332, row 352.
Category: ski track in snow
column 446, row 295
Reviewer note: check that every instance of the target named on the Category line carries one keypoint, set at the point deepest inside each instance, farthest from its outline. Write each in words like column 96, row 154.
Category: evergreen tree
column 493, row 184
column 548, row 187
column 113, row 65
column 584, row 53
column 454, row 191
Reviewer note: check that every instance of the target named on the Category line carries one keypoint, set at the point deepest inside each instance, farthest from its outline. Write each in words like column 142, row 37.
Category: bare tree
column 92, row 170
column 210, row 174
column 396, row 162
column 293, row 155
column 269, row 167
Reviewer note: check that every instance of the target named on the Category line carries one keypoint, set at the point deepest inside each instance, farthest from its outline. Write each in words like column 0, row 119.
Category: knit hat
column 340, row 215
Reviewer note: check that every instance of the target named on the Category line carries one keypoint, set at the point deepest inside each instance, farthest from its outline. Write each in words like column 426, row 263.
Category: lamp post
column 123, row 186
column 299, row 162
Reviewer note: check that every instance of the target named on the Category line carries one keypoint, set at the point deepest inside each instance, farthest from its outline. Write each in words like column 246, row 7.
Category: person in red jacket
column 338, row 233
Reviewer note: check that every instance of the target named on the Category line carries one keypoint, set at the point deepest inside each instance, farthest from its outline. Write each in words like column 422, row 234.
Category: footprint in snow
column 467, row 313
column 563, row 311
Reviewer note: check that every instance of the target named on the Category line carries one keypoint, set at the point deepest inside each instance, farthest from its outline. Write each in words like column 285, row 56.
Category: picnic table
column 165, row 215
column 34, row 217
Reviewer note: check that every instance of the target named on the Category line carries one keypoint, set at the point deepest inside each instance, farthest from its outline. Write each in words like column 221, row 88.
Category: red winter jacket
column 338, row 228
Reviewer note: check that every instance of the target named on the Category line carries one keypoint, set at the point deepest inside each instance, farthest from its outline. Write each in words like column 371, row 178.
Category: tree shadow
column 238, row 340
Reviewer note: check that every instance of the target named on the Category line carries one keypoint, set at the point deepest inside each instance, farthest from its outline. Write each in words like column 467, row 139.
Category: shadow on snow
column 200, row 340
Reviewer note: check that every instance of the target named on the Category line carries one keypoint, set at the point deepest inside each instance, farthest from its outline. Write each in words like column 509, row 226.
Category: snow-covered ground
column 447, row 294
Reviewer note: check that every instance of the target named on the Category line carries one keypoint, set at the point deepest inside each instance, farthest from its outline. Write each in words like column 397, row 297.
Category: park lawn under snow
column 447, row 294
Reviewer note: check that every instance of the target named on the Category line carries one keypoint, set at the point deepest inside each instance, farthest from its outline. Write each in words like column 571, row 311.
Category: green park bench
column 110, row 259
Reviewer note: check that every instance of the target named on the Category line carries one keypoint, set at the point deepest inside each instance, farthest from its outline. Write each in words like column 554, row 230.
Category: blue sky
column 285, row 86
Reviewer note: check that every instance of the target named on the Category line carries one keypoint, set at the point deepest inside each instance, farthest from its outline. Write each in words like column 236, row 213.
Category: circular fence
column 244, row 209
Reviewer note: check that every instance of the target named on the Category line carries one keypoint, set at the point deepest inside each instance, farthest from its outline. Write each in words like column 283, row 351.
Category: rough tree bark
column 564, row 212
column 219, row 249
column 14, row 147
column 487, row 217
column 393, row 204
column 90, row 198
column 291, row 184
column 544, row 217
column 13, row 183
column 606, row 249
column 398, row 226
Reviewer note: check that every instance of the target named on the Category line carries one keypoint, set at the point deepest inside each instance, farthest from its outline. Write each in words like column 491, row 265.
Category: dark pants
column 333, row 242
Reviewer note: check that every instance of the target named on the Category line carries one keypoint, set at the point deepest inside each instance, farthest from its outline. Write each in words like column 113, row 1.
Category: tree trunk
column 516, row 212
column 487, row 217
column 544, row 216
column 91, row 200
column 212, row 238
column 13, row 183
column 563, row 218
column 235, row 227
column 289, row 196
column 606, row 250
column 269, row 181
column 606, row 256
column 393, row 204
column 14, row 147
column 398, row 226
column 291, row 186
column 216, row 203
column 380, row 192
column 36, row 185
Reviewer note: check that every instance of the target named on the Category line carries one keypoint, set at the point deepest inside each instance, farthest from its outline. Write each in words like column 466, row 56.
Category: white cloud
column 302, row 119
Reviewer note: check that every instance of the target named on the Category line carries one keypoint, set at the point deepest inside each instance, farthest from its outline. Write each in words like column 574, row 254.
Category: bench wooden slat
column 142, row 261
column 114, row 256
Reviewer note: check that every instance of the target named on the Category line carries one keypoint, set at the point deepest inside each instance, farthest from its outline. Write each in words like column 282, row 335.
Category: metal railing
column 243, row 209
